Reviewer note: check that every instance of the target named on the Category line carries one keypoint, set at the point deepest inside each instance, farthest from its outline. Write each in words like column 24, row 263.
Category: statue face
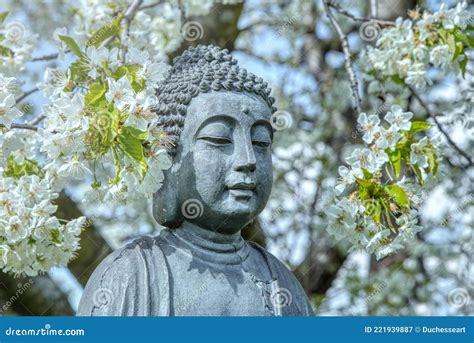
column 224, row 159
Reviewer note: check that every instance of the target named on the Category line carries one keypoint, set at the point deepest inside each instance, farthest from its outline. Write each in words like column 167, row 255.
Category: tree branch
column 344, row 12
column 26, row 94
column 347, row 57
column 21, row 126
column 440, row 127
column 45, row 57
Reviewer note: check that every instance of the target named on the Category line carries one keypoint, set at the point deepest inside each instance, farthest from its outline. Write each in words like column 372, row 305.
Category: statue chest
column 200, row 288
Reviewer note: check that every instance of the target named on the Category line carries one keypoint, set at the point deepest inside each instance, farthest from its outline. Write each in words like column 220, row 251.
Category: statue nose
column 245, row 158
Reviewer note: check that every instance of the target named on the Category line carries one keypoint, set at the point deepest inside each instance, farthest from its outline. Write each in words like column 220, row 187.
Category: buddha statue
column 218, row 117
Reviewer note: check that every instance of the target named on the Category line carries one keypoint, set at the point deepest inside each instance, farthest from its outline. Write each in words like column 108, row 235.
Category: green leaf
column 5, row 51
column 457, row 50
column 55, row 236
column 463, row 65
column 96, row 92
column 108, row 30
column 398, row 194
column 17, row 170
column 418, row 173
column 3, row 16
column 451, row 44
column 364, row 183
column 418, row 126
column 433, row 162
column 132, row 146
column 397, row 79
column 395, row 159
column 120, row 72
column 71, row 43
column 462, row 38
column 367, row 174
column 139, row 134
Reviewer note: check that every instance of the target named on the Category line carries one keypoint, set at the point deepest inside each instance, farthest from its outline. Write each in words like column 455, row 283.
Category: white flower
column 375, row 240
column 54, row 82
column 416, row 76
column 417, row 153
column 8, row 84
column 369, row 125
column 154, row 73
column 94, row 59
column 121, row 93
column 74, row 169
column 400, row 120
column 142, row 114
column 341, row 221
column 15, row 229
column 392, row 136
column 8, row 111
column 363, row 158
column 347, row 178
column 440, row 55
column 62, row 47
column 460, row 15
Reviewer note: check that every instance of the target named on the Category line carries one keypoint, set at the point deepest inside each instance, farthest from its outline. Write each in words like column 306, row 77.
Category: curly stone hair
column 202, row 69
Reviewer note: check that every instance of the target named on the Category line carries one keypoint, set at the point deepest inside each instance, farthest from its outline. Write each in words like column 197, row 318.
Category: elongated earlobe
column 166, row 209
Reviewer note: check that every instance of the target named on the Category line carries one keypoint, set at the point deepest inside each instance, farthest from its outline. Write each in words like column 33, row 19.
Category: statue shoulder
column 122, row 283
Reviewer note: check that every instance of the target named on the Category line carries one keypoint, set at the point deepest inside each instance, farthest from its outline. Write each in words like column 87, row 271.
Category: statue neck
column 211, row 246
column 195, row 232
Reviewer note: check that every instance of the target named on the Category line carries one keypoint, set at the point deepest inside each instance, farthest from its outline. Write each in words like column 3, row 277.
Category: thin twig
column 128, row 17
column 26, row 94
column 45, row 57
column 440, row 127
column 37, row 120
column 347, row 57
column 48, row 57
column 22, row 126
column 344, row 12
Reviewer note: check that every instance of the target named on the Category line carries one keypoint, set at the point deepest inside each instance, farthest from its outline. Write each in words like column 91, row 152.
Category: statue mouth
column 243, row 186
column 242, row 190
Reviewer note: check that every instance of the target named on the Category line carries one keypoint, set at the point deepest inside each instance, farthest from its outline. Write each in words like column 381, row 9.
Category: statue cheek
column 210, row 174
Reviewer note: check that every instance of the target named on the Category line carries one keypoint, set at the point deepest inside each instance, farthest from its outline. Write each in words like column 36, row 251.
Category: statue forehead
column 231, row 103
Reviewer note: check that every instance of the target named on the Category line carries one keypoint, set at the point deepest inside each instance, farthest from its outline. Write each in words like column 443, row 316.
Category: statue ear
column 166, row 208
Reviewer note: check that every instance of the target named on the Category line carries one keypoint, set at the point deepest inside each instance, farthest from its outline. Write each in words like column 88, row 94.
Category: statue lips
column 243, row 190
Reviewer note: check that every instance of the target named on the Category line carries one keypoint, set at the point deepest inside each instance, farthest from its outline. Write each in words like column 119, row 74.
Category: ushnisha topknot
column 202, row 69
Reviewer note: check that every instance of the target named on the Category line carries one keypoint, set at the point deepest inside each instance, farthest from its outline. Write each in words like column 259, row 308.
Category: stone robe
column 180, row 274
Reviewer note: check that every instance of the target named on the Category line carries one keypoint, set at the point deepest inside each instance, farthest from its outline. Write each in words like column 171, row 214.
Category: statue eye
column 261, row 144
column 218, row 140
